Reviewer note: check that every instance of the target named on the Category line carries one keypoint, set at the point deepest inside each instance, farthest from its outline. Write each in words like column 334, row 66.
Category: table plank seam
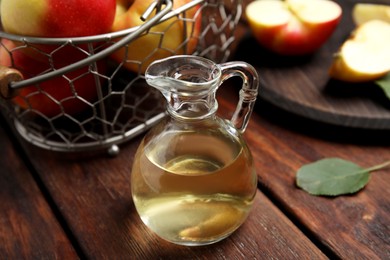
column 42, row 188
column 326, row 250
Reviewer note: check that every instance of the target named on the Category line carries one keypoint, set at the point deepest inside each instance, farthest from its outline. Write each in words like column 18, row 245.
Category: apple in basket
column 69, row 93
column 173, row 36
column 121, row 7
column 57, row 18
column 54, row 96
column 293, row 27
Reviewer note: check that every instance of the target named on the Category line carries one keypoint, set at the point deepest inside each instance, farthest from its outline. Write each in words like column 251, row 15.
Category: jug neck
column 196, row 105
column 192, row 108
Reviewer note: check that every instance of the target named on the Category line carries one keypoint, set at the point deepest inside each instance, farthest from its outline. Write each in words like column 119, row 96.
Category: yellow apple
column 293, row 27
column 173, row 36
column 365, row 56
column 363, row 12
column 121, row 7
column 57, row 18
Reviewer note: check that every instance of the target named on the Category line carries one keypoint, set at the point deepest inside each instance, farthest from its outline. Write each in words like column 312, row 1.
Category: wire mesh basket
column 89, row 93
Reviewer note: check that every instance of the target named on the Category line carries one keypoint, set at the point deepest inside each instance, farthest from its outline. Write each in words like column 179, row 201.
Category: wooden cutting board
column 302, row 85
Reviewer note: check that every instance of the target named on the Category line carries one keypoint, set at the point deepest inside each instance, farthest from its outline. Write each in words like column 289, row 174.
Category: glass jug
column 193, row 181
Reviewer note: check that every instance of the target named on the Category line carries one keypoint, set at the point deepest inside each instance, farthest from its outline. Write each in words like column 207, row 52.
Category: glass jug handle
column 248, row 92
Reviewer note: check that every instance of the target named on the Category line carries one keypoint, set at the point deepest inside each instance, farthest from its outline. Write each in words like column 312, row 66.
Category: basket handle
column 160, row 13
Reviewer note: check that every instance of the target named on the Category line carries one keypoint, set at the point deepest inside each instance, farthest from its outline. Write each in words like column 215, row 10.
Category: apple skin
column 145, row 49
column 121, row 7
column 57, row 18
column 54, row 18
column 295, row 36
column 58, row 88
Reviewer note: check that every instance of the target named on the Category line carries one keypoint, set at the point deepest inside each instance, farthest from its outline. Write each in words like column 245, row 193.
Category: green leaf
column 334, row 176
column 384, row 83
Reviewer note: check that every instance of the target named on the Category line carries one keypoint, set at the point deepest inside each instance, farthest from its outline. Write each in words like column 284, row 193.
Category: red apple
column 57, row 18
column 173, row 36
column 53, row 96
column 54, row 18
column 293, row 27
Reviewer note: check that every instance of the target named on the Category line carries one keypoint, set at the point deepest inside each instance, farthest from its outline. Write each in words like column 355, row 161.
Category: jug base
column 194, row 220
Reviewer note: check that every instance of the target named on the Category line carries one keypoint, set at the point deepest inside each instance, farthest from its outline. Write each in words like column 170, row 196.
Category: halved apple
column 293, row 27
column 365, row 56
column 363, row 12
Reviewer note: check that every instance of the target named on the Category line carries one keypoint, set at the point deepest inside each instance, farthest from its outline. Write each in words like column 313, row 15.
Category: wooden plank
column 95, row 198
column 302, row 84
column 353, row 227
column 28, row 228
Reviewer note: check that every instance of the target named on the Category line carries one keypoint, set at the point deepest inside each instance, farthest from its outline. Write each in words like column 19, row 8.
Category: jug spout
column 189, row 84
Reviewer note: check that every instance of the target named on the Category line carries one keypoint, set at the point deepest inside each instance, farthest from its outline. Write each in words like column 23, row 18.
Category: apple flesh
column 365, row 56
column 173, row 36
column 57, row 18
column 363, row 12
column 293, row 27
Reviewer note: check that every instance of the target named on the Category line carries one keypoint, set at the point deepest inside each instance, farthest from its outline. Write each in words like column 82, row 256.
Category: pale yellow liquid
column 193, row 189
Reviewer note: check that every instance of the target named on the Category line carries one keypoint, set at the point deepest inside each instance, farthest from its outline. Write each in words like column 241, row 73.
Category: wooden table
column 57, row 207
column 54, row 206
